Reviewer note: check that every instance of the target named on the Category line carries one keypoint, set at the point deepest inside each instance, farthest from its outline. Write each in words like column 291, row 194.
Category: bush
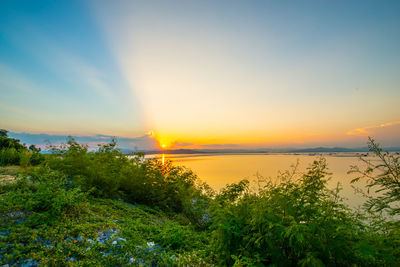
column 36, row 158
column 382, row 176
column 9, row 149
column 43, row 197
column 9, row 156
column 25, row 158
column 109, row 173
column 294, row 221
column 297, row 221
column 12, row 152
column 7, row 142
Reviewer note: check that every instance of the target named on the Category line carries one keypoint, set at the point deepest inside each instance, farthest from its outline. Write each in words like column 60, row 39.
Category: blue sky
column 58, row 74
column 246, row 73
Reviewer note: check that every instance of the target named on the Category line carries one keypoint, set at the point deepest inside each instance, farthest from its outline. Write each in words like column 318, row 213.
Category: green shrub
column 382, row 176
column 10, row 149
column 9, row 156
column 7, row 142
column 43, row 197
column 297, row 221
column 36, row 157
column 108, row 173
column 25, row 158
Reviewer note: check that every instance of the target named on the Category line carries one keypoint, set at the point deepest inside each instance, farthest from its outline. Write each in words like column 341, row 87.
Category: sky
column 203, row 74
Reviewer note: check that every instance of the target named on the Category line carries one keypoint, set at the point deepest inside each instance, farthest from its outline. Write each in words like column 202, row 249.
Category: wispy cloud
column 370, row 130
column 10, row 79
column 19, row 96
column 63, row 62
column 76, row 67
column 63, row 87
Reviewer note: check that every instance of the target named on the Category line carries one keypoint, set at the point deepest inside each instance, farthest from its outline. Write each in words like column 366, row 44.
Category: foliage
column 292, row 222
column 24, row 158
column 108, row 173
column 42, row 197
column 35, row 156
column 104, row 208
column 3, row 133
column 10, row 170
column 383, row 176
column 12, row 152
column 7, row 142
column 9, row 156
column 105, row 233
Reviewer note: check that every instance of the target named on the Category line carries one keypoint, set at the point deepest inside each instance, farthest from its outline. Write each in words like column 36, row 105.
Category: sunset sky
column 203, row 74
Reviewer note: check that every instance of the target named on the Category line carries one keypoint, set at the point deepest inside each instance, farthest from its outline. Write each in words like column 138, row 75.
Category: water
column 217, row 170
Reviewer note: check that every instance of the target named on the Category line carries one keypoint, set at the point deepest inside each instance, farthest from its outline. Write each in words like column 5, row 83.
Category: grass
column 105, row 232
column 8, row 173
column 10, row 170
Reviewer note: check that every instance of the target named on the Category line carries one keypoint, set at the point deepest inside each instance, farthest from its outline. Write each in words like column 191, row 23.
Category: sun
column 163, row 146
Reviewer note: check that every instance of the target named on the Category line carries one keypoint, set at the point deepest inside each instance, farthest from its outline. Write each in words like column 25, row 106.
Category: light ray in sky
column 202, row 73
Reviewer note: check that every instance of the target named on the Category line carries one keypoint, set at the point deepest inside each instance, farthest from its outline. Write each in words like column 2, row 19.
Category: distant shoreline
column 318, row 151
column 195, row 155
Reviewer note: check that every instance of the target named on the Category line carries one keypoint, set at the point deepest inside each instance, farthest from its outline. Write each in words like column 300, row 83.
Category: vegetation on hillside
column 12, row 152
column 81, row 207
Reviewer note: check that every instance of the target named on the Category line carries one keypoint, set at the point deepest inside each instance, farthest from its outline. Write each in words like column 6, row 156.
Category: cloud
column 10, row 79
column 387, row 134
column 62, row 62
column 77, row 68
column 371, row 130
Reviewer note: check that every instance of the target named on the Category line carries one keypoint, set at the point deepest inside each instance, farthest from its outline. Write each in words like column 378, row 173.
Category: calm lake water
column 217, row 170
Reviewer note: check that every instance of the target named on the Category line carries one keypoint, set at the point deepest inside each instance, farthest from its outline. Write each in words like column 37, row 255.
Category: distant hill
column 149, row 145
column 265, row 150
column 330, row 149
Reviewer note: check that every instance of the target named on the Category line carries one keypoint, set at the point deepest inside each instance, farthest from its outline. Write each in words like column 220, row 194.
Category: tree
column 13, row 152
column 8, row 143
column 34, row 149
column 3, row 133
column 382, row 175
